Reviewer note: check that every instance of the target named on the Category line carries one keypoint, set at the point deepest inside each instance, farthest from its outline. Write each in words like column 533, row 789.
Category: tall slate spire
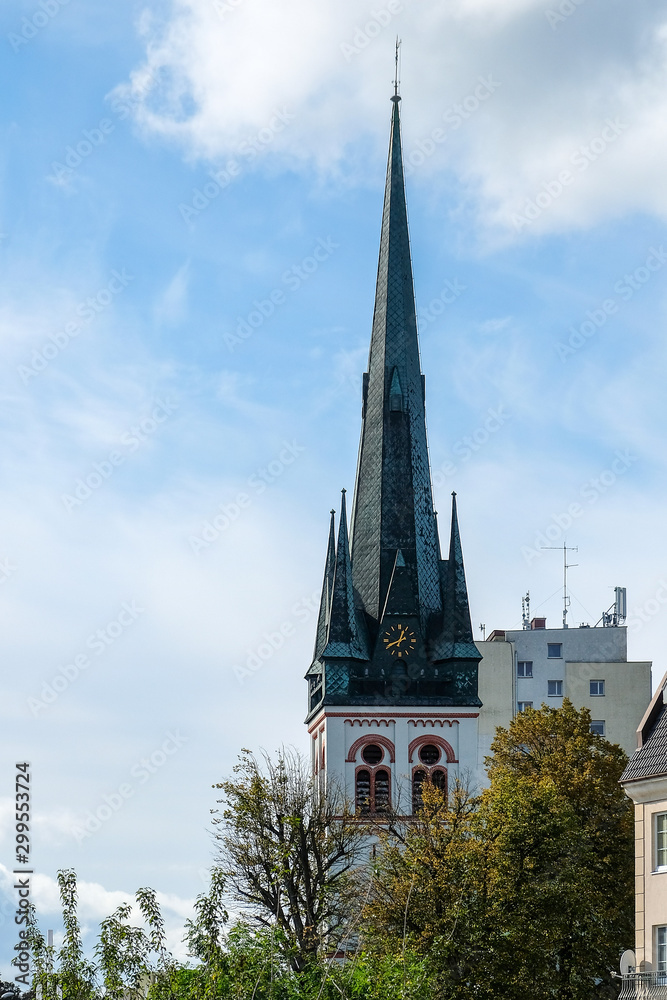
column 393, row 504
column 394, row 625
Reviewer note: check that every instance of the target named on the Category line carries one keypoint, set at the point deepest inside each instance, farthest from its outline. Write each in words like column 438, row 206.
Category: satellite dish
column 628, row 963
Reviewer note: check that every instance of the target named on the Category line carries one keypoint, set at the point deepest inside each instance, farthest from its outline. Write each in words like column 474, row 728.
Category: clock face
column 399, row 640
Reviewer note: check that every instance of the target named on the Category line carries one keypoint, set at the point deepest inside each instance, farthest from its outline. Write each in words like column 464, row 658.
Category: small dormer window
column 395, row 394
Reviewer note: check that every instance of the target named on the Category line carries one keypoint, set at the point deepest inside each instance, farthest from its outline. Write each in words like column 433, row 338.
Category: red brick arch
column 371, row 738
column 438, row 741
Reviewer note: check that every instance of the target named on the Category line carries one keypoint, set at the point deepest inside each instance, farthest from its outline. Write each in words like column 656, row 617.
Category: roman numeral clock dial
column 399, row 640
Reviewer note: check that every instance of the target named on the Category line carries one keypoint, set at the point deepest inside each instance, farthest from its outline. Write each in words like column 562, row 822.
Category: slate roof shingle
column 650, row 759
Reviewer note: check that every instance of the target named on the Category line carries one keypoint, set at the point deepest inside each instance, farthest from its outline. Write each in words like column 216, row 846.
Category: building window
column 381, row 791
column 555, row 689
column 524, row 668
column 436, row 777
column 429, row 754
column 372, row 791
column 555, row 650
column 661, row 950
column 597, row 727
column 661, row 842
column 439, row 779
column 418, row 779
column 523, row 705
column 597, row 689
column 372, row 754
column 362, row 797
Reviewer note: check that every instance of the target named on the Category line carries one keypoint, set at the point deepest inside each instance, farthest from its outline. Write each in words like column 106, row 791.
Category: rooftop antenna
column 525, row 610
column 566, row 566
column 397, row 75
column 483, row 631
column 618, row 612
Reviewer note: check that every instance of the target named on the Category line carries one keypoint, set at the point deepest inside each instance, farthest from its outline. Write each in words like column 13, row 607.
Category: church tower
column 392, row 689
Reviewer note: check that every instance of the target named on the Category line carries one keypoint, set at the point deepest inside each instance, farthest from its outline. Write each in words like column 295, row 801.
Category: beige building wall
column 497, row 691
column 650, row 798
column 622, row 707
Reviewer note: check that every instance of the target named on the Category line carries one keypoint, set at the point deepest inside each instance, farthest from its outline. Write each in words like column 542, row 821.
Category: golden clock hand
column 394, row 643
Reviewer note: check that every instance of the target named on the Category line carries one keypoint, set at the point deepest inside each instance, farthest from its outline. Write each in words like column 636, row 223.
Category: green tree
column 528, row 890
column 560, row 834
column 75, row 978
column 428, row 890
column 287, row 852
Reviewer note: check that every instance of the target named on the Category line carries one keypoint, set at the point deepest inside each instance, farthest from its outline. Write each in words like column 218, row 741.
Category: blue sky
column 537, row 140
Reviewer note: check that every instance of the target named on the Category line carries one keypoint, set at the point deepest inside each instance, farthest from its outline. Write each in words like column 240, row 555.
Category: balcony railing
column 644, row 986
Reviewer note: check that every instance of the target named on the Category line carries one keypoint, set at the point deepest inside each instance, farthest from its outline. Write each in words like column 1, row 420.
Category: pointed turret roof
column 327, row 591
column 346, row 637
column 456, row 639
column 393, row 505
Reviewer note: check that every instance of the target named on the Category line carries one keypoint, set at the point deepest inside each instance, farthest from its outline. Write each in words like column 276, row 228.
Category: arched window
column 372, row 791
column 381, row 796
column 437, row 777
column 418, row 779
column 363, row 792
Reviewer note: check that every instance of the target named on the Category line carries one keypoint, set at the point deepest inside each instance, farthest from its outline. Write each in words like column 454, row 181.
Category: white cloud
column 95, row 903
column 216, row 81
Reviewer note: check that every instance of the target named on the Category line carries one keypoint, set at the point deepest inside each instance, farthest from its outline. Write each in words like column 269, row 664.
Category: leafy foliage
column 528, row 890
column 523, row 891
column 288, row 852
